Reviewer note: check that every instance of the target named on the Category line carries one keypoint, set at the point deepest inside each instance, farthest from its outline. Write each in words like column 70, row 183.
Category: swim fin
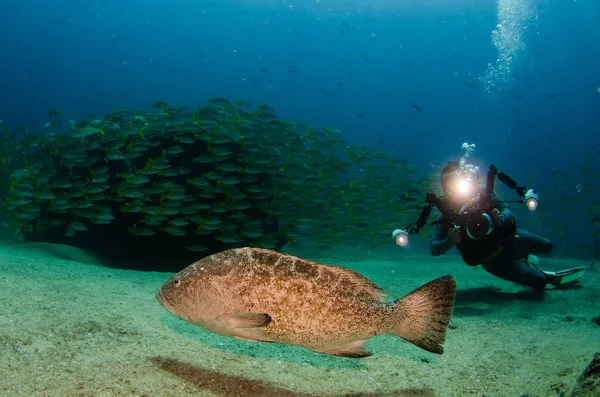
column 564, row 278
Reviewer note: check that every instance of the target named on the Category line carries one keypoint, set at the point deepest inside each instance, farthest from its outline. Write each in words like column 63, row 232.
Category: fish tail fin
column 422, row 317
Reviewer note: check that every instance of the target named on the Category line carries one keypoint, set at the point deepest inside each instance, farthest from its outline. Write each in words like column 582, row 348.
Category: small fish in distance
column 410, row 195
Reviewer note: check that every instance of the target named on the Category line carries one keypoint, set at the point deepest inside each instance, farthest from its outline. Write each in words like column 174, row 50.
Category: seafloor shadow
column 232, row 385
column 469, row 301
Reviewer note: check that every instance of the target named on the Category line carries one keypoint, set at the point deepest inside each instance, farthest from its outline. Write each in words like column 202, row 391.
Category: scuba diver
column 484, row 230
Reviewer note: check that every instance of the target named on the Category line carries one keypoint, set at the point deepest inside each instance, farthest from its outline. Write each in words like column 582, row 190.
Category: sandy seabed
column 70, row 326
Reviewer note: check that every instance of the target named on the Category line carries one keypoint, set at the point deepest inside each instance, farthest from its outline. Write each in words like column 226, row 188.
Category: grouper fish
column 262, row 295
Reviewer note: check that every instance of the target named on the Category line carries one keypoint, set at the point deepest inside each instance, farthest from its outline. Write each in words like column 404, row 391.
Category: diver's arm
column 440, row 243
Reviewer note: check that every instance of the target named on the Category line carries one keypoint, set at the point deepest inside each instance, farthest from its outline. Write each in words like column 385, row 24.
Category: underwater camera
column 476, row 221
column 475, row 217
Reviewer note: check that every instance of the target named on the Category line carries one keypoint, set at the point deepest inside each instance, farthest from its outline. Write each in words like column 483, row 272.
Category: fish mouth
column 160, row 297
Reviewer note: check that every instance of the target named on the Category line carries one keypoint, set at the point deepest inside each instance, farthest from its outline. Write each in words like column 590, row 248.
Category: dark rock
column 596, row 320
column 588, row 384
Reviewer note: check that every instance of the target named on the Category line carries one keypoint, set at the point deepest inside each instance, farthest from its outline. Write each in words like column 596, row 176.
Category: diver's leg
column 517, row 271
column 525, row 243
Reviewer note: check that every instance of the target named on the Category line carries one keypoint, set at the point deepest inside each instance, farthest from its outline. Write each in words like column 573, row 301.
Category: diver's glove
column 454, row 235
column 498, row 217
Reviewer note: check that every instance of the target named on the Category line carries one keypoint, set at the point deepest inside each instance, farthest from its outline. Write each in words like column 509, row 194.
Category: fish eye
column 176, row 281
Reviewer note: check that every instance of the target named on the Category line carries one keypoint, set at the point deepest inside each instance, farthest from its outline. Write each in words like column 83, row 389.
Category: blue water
column 406, row 77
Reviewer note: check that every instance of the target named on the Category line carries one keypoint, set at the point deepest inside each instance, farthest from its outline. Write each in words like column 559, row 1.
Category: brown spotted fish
column 262, row 295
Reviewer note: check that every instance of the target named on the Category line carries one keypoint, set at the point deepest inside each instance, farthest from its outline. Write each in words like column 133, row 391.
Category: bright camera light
column 464, row 186
column 531, row 200
column 400, row 237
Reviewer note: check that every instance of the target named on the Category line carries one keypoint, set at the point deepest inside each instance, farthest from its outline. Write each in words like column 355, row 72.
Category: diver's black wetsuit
column 502, row 253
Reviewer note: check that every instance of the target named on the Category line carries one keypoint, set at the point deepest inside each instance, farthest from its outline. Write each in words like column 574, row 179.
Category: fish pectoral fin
column 247, row 320
column 353, row 349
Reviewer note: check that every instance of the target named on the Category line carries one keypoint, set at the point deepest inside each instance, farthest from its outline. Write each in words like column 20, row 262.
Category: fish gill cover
column 159, row 189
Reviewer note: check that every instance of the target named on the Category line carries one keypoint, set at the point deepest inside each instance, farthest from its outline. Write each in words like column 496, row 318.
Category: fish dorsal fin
column 359, row 283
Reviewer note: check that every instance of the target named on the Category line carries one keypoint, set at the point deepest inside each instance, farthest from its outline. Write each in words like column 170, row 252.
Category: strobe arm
column 530, row 197
column 508, row 181
column 421, row 222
